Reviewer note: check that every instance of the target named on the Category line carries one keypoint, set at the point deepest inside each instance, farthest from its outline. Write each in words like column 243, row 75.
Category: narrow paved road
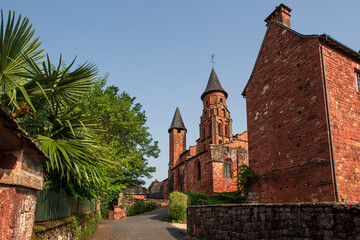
column 151, row 225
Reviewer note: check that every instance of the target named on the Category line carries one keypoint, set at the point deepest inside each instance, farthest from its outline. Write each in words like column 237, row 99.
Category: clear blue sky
column 159, row 51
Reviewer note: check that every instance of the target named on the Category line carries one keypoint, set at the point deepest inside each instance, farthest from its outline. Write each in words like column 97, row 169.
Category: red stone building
column 209, row 166
column 21, row 177
column 303, row 115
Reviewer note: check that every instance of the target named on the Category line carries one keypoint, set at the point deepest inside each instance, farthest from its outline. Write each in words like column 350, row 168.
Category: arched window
column 227, row 169
column 178, row 178
column 227, row 130
column 210, row 129
column 223, row 113
column 219, row 128
column 198, row 171
column 203, row 133
column 221, row 100
column 220, row 142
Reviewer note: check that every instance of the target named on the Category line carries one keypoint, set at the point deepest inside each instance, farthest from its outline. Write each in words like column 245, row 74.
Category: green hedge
column 178, row 203
column 199, row 198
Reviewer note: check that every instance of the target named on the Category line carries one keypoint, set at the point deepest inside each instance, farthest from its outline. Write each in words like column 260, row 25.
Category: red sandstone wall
column 166, row 189
column 17, row 212
column 191, row 177
column 288, row 139
column 237, row 157
column 177, row 145
column 139, row 196
column 344, row 103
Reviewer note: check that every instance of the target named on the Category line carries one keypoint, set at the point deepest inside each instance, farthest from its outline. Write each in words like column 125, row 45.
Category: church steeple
column 213, row 85
column 215, row 122
column 177, row 139
column 177, row 121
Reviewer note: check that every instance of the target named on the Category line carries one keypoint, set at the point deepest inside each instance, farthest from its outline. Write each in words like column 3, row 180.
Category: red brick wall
column 287, row 127
column 344, row 103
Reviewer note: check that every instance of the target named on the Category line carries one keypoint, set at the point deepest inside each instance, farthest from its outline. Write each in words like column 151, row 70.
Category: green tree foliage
column 245, row 176
column 178, row 203
column 125, row 138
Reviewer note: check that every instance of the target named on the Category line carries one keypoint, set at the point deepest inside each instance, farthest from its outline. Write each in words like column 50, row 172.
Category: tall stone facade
column 303, row 115
column 209, row 166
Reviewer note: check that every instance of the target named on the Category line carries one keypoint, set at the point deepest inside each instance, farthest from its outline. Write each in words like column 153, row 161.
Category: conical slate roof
column 213, row 85
column 177, row 121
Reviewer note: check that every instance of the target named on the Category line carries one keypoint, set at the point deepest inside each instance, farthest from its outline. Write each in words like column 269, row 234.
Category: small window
column 227, row 130
column 203, row 133
column 227, row 169
column 357, row 79
column 210, row 129
column 198, row 171
column 207, row 102
column 220, row 142
column 223, row 114
column 219, row 129
column 221, row 100
column 179, row 130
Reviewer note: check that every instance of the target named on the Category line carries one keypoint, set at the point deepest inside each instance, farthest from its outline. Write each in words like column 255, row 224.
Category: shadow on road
column 178, row 234
column 158, row 215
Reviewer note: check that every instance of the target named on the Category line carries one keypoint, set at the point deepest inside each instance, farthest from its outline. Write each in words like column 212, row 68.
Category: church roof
column 137, row 190
column 177, row 121
column 213, row 85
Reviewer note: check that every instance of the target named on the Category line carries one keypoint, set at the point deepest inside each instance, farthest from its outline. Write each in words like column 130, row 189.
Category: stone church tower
column 209, row 166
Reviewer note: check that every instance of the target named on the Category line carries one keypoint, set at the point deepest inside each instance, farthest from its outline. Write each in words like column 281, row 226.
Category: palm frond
column 16, row 41
column 61, row 86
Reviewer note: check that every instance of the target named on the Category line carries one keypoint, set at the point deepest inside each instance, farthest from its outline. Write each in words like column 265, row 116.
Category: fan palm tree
column 59, row 127
column 16, row 44
column 45, row 98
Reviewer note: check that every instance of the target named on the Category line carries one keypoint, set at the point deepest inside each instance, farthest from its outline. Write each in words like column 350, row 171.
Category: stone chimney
column 281, row 14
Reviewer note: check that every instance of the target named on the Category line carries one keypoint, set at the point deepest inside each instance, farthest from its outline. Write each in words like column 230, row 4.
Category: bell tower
column 177, row 134
column 215, row 122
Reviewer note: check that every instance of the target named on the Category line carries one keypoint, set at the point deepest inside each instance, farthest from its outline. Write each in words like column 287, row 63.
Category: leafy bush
column 137, row 208
column 150, row 206
column 178, row 203
column 199, row 198
column 227, row 198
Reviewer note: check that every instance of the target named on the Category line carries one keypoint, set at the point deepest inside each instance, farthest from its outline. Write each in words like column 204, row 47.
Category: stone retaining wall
column 276, row 221
column 81, row 226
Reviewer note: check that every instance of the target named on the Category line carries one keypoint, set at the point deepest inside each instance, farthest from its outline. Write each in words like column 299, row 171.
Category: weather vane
column 212, row 60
